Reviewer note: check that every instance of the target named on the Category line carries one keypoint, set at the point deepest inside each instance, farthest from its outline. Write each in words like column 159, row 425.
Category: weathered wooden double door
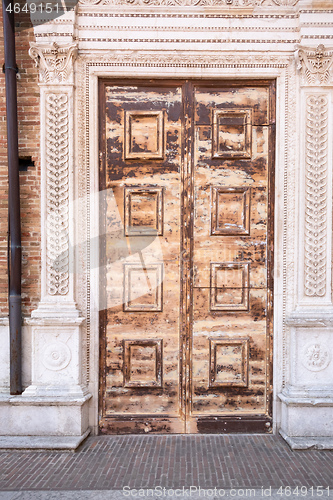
column 186, row 185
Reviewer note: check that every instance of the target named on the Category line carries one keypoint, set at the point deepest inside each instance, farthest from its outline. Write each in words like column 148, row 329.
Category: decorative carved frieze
column 315, row 65
column 192, row 3
column 316, row 195
column 55, row 62
column 183, row 60
column 57, row 198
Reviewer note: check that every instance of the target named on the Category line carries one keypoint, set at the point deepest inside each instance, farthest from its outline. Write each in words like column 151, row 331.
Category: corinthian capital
column 315, row 65
column 55, row 62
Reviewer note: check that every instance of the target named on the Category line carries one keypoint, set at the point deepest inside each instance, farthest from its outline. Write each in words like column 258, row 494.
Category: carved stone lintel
column 153, row 59
column 315, row 65
column 55, row 62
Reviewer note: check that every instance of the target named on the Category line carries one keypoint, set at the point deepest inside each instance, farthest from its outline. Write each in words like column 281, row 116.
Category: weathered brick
column 28, row 119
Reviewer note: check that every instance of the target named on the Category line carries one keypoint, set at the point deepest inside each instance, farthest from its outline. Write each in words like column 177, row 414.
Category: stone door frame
column 68, row 315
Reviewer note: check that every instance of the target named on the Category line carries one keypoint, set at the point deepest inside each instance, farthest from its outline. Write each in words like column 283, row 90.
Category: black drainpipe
column 14, row 271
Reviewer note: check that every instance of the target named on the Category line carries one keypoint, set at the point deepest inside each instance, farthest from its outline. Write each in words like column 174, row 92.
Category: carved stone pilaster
column 56, row 323
column 315, row 65
column 56, row 64
column 307, row 398
column 316, row 69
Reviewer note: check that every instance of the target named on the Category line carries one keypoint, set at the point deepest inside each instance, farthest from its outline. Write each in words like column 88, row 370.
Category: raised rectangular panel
column 143, row 287
column 229, row 289
column 232, row 133
column 143, row 208
column 229, row 362
column 230, row 211
column 144, row 135
column 142, row 363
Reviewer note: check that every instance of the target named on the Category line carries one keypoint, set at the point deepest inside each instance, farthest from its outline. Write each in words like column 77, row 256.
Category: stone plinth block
column 25, row 416
column 307, row 417
column 56, row 358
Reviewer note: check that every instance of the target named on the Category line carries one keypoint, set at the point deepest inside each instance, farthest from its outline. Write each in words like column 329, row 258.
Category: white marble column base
column 308, row 443
column 307, row 422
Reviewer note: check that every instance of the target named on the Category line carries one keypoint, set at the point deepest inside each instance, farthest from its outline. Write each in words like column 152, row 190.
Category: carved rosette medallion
column 315, row 357
column 56, row 356
column 315, row 65
column 57, row 157
column 316, row 195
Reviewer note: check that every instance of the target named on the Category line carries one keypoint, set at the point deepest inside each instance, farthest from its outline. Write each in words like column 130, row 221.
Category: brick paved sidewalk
column 105, row 463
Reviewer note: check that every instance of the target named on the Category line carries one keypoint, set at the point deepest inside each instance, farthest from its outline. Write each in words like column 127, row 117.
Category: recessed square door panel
column 230, row 211
column 143, row 211
column 144, row 136
column 229, row 286
column 229, row 362
column 186, row 256
column 232, row 133
column 143, row 363
column 143, row 287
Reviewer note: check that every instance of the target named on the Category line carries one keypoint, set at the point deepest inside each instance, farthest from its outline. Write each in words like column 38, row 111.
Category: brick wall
column 28, row 118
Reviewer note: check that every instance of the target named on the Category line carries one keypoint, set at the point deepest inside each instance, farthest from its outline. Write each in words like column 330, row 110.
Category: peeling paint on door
column 186, row 334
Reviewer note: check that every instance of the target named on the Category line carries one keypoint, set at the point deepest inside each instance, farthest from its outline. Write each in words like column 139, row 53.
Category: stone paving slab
column 206, row 461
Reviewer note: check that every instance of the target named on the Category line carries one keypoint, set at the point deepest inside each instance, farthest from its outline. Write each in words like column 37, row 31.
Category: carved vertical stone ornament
column 57, row 152
column 316, row 195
